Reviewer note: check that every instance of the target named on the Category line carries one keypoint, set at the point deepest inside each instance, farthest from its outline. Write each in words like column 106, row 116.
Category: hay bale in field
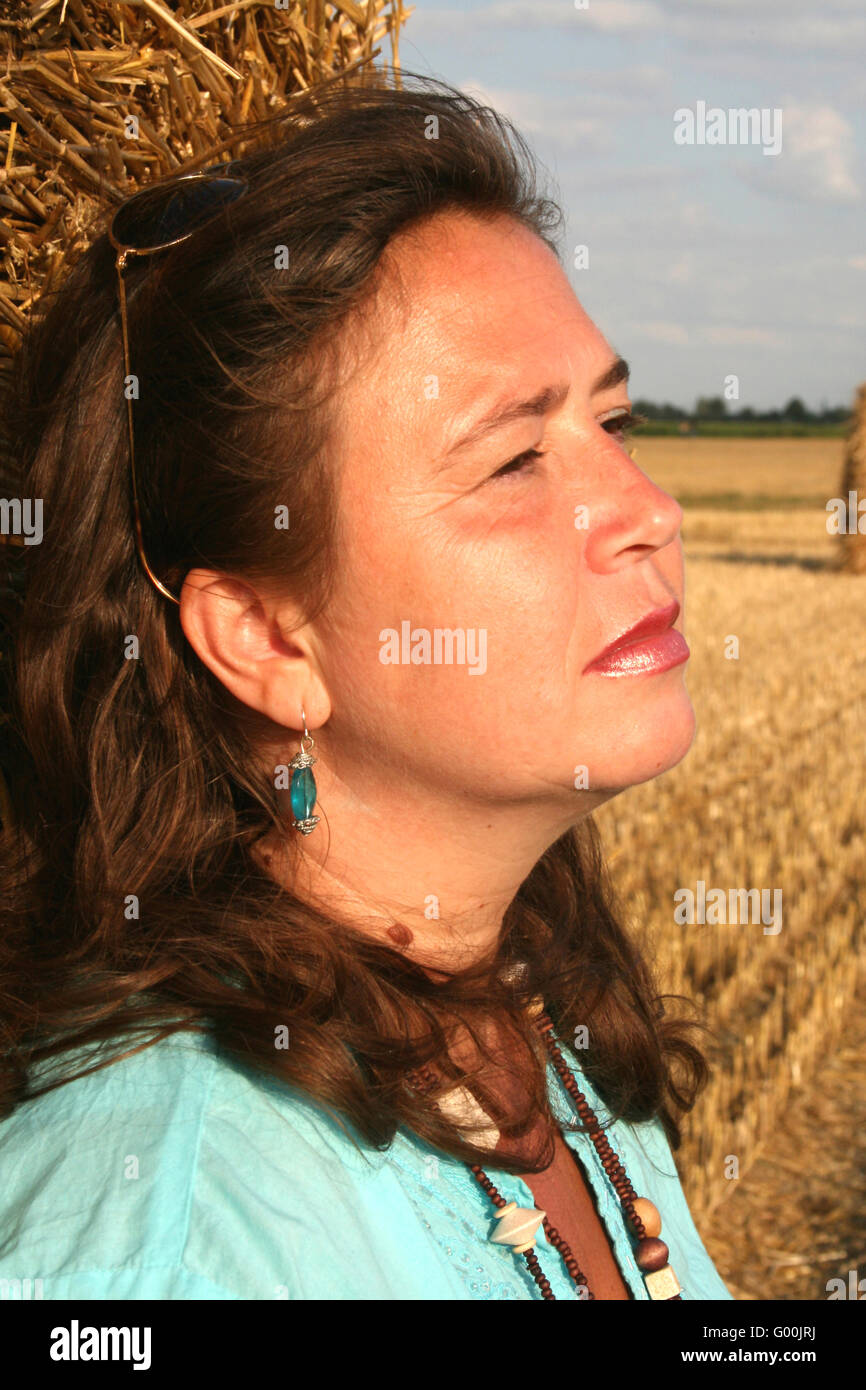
column 98, row 98
column 854, row 480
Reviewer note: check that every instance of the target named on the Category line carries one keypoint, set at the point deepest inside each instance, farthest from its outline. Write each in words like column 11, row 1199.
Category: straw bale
column 853, row 559
column 99, row 98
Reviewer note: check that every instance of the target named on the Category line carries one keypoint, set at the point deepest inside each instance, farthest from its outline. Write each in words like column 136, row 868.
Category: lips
column 652, row 625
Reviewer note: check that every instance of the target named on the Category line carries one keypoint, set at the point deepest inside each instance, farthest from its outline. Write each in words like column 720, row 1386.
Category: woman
column 365, row 1024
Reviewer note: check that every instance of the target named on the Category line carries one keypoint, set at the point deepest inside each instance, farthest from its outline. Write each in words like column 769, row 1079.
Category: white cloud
column 620, row 16
column 802, row 25
column 681, row 271
column 731, row 335
column 817, row 160
column 660, row 331
column 554, row 118
column 696, row 216
column 605, row 16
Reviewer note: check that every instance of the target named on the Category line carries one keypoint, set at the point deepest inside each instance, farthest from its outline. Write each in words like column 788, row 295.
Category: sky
column 706, row 260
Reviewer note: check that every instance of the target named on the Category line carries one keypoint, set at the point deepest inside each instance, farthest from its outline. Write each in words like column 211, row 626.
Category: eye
column 518, row 464
column 621, row 426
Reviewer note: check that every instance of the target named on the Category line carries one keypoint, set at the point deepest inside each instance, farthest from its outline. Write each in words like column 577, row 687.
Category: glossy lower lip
column 658, row 653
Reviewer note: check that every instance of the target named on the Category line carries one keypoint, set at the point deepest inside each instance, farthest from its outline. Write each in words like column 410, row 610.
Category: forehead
column 474, row 303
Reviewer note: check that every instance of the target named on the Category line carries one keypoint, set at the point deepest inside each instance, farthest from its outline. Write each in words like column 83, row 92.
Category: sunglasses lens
column 156, row 216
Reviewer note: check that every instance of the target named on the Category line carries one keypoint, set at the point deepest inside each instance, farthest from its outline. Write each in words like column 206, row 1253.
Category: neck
column 433, row 876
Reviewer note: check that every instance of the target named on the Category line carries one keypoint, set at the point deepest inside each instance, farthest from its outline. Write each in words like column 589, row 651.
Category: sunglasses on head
column 152, row 220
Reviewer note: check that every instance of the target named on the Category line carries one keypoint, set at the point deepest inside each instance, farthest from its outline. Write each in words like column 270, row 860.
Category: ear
column 246, row 639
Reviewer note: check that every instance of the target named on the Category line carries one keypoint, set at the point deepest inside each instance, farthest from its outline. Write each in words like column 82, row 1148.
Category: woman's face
column 539, row 567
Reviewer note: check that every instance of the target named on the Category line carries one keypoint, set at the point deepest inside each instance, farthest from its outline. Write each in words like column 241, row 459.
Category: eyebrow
column 549, row 398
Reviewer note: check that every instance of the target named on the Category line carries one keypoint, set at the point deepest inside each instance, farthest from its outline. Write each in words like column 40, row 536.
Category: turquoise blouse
column 179, row 1174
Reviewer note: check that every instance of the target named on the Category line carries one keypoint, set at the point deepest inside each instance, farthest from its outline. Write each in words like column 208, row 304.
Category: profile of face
column 542, row 563
column 553, row 557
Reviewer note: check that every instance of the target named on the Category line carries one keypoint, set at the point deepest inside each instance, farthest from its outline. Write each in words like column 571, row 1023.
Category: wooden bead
column 649, row 1215
column 651, row 1254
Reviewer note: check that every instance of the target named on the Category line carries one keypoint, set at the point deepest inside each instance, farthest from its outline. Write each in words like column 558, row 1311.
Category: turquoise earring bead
column 303, row 792
column 302, row 789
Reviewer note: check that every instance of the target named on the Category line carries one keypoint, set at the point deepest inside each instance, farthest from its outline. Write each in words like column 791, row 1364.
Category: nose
column 631, row 518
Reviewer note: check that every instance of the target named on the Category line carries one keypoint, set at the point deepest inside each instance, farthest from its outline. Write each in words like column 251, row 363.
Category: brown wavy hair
column 142, row 781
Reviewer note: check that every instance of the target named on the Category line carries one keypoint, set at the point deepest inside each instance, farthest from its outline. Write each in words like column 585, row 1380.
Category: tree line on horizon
column 717, row 408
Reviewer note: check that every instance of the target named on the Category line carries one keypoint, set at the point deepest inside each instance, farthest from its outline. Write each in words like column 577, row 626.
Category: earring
column 303, row 786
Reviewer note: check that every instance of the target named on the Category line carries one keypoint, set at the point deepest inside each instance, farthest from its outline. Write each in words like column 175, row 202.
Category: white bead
column 517, row 1226
column 662, row 1283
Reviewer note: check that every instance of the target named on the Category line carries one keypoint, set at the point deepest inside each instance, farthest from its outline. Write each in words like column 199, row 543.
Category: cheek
column 505, row 573
column 512, row 598
column 512, row 568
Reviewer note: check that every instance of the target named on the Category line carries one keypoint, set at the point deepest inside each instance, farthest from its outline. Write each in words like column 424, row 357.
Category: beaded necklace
column 519, row 1224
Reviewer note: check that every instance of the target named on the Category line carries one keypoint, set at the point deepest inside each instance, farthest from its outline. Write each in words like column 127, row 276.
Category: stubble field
column 770, row 796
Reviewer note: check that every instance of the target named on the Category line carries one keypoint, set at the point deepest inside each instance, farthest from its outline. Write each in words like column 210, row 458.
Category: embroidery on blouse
column 467, row 1248
column 452, row 1183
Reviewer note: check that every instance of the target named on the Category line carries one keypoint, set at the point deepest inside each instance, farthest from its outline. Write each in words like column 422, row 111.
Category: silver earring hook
column 307, row 736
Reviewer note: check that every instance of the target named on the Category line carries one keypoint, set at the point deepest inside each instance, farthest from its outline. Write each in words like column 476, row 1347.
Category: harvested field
column 771, row 797
column 815, row 1164
column 785, row 472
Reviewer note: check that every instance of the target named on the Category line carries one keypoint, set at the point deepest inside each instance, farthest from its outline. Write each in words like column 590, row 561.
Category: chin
column 647, row 750
column 664, row 748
